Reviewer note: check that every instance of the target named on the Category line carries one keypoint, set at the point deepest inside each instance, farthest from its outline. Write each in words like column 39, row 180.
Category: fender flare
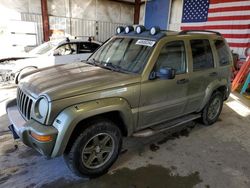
column 69, row 118
column 213, row 86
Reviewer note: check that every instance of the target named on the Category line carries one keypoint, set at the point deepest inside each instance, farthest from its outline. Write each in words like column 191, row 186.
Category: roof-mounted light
column 154, row 30
column 139, row 29
column 120, row 29
column 128, row 29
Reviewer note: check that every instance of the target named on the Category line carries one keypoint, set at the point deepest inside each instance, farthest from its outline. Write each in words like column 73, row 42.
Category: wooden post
column 45, row 19
column 137, row 11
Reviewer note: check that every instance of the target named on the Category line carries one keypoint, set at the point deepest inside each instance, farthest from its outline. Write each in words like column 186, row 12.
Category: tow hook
column 15, row 136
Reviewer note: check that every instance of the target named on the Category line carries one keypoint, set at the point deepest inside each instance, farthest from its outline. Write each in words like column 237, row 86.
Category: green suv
column 139, row 83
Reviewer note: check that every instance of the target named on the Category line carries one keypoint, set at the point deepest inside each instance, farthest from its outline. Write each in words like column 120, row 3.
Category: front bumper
column 23, row 129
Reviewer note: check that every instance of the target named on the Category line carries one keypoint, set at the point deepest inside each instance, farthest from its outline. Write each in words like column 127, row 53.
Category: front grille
column 24, row 103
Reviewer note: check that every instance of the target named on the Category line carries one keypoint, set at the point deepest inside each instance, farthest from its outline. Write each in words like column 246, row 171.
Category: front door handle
column 213, row 74
column 182, row 81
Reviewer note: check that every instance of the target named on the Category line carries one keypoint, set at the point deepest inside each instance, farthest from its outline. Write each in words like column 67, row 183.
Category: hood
column 17, row 56
column 17, row 65
column 58, row 82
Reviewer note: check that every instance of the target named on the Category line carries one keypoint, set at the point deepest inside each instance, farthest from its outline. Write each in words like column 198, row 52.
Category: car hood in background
column 18, row 56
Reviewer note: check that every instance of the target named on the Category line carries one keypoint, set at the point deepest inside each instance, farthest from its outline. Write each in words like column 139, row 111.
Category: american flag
column 229, row 17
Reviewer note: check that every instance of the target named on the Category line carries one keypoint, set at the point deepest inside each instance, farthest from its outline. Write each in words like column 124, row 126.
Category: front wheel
column 212, row 110
column 95, row 150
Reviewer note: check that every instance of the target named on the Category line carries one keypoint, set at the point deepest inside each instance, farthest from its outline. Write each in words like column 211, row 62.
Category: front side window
column 172, row 55
column 223, row 52
column 202, row 54
column 67, row 49
column 124, row 54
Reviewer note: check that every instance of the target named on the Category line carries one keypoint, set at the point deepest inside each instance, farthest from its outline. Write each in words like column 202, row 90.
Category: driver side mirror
column 164, row 73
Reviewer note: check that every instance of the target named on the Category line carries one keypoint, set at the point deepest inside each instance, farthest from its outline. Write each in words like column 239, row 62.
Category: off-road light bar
column 154, row 30
column 128, row 29
column 120, row 29
column 139, row 29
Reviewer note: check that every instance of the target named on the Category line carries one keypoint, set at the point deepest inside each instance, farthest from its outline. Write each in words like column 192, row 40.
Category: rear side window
column 87, row 47
column 172, row 55
column 202, row 54
column 223, row 52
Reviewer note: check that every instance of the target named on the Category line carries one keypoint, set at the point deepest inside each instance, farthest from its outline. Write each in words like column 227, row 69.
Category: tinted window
column 223, row 52
column 202, row 55
column 172, row 55
column 87, row 47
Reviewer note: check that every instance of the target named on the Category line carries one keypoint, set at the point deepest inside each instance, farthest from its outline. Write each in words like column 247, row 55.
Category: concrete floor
column 215, row 156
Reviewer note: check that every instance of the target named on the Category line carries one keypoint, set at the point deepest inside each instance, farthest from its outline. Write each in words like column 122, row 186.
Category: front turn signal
column 42, row 138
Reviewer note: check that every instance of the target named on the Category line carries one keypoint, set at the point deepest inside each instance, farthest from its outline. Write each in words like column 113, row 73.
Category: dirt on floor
column 214, row 156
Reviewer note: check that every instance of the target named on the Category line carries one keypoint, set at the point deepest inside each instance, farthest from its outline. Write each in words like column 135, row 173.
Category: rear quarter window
column 223, row 52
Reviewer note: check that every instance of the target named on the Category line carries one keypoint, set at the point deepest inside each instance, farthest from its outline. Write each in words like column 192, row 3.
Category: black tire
column 96, row 128
column 208, row 119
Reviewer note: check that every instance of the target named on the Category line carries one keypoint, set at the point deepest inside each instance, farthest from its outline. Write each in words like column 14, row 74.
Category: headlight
column 41, row 108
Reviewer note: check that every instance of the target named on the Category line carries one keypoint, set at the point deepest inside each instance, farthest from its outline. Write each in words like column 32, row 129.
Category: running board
column 176, row 123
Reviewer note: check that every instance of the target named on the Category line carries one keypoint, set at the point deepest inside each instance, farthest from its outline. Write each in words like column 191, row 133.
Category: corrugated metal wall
column 35, row 18
column 106, row 30
column 82, row 28
column 74, row 26
column 175, row 15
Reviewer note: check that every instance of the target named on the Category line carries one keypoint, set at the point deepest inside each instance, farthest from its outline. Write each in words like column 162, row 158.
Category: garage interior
column 197, row 156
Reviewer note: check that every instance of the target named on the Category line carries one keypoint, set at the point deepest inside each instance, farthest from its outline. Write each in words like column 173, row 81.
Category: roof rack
column 205, row 31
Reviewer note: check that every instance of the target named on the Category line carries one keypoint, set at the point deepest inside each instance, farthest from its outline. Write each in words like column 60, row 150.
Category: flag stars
column 195, row 10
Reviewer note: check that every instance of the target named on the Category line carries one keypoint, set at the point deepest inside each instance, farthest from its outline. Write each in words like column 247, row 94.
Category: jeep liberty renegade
column 139, row 83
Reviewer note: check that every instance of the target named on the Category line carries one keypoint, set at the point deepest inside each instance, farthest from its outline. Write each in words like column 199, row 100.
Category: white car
column 49, row 54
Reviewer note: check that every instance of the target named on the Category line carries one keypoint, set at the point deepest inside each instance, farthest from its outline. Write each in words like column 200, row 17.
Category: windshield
column 43, row 48
column 123, row 54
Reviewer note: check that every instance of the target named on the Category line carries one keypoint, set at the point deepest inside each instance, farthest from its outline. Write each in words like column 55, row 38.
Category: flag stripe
column 224, row 18
column 227, row 9
column 231, row 13
column 229, row 22
column 239, row 45
column 236, row 31
column 235, row 36
column 206, row 27
column 232, row 33
column 231, row 4
column 237, row 40
column 225, row 1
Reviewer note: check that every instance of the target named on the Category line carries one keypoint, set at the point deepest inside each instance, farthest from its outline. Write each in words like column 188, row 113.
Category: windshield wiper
column 113, row 67
column 109, row 65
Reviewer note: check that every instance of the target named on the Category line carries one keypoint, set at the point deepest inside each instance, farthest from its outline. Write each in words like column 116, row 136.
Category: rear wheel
column 95, row 150
column 212, row 110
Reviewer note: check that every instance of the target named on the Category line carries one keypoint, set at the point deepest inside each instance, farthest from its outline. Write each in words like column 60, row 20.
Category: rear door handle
column 213, row 74
column 182, row 81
